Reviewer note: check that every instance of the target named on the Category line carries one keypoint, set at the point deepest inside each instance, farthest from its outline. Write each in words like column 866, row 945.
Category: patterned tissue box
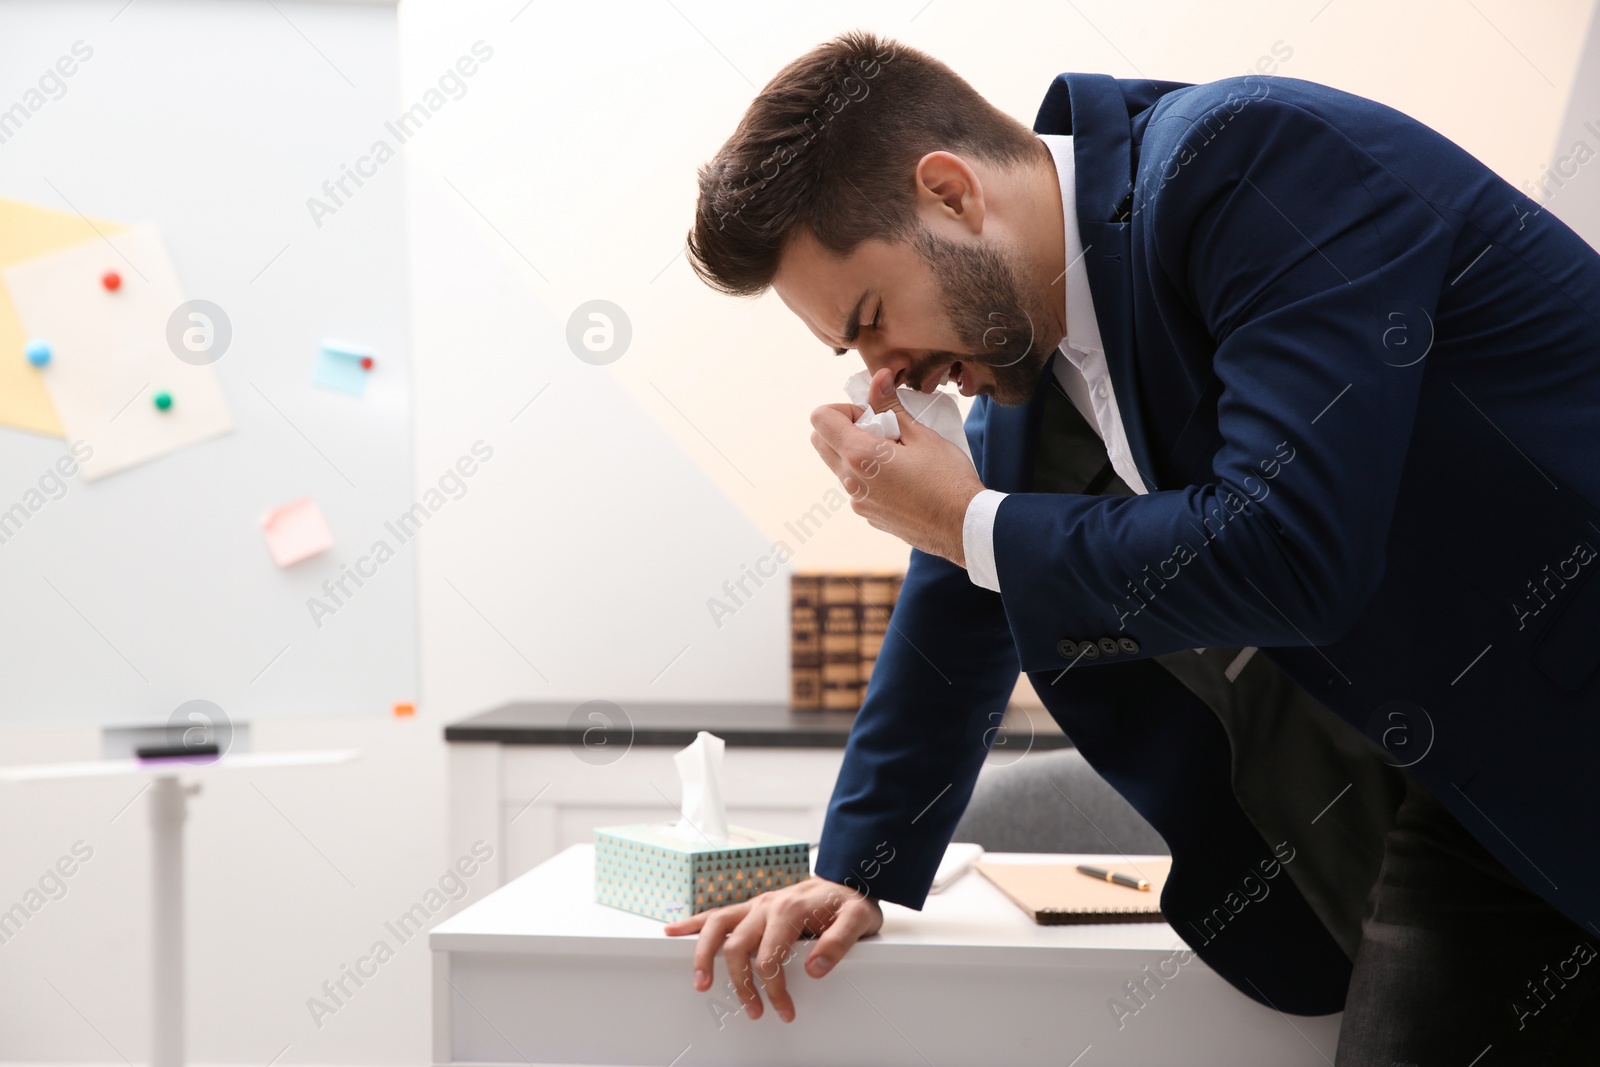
column 646, row 868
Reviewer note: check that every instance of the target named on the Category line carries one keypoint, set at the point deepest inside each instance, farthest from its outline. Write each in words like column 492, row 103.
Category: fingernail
column 701, row 978
column 786, row 1016
column 820, row 966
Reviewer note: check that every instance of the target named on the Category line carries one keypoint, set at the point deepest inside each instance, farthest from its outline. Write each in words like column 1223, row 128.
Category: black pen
column 1113, row 877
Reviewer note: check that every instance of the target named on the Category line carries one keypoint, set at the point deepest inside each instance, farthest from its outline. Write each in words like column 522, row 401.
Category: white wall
column 1570, row 186
column 579, row 563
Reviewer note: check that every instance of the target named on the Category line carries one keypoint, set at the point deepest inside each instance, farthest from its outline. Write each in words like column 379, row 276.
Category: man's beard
column 991, row 318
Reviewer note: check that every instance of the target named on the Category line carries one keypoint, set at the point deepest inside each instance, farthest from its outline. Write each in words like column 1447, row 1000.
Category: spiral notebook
column 1054, row 894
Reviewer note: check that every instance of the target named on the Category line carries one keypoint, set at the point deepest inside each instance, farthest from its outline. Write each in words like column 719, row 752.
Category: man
column 1351, row 378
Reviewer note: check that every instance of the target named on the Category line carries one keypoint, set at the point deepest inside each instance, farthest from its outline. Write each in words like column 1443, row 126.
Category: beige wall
column 632, row 111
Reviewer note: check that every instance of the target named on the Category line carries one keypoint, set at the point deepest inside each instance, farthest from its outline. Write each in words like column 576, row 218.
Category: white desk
column 538, row 973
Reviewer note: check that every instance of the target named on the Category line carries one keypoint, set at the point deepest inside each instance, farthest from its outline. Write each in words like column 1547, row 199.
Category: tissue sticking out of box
column 936, row 410
column 704, row 819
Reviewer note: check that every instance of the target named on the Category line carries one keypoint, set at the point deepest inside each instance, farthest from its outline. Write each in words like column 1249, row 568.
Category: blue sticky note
column 339, row 367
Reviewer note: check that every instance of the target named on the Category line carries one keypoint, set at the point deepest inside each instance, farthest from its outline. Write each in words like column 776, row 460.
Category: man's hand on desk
column 917, row 489
column 766, row 928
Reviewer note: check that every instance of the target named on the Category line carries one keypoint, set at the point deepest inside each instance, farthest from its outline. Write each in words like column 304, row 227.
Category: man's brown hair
column 831, row 146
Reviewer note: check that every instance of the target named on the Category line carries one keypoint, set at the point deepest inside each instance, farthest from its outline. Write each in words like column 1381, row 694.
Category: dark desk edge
column 748, row 725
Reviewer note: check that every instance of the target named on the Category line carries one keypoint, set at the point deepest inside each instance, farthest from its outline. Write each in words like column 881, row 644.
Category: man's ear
column 948, row 191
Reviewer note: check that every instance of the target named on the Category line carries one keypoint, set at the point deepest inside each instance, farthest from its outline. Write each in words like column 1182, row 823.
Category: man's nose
column 877, row 356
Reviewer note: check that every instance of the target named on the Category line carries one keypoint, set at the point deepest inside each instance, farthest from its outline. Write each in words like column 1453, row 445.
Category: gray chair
column 1053, row 802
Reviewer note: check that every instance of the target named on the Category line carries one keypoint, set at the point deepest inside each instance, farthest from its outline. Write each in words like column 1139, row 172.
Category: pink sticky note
column 296, row 531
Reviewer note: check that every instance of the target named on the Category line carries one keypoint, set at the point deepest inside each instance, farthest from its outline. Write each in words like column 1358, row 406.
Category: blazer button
column 1128, row 645
column 1108, row 646
column 1088, row 651
column 1067, row 649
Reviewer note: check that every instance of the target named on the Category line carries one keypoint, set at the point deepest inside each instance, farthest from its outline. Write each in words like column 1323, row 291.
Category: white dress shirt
column 1082, row 375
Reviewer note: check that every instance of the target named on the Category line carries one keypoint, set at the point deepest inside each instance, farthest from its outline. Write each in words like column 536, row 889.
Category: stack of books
column 837, row 626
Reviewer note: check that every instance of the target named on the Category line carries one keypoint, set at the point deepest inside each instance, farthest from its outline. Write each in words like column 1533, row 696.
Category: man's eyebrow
column 852, row 325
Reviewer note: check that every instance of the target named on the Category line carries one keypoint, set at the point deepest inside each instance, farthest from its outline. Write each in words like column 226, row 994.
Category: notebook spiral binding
column 1076, row 916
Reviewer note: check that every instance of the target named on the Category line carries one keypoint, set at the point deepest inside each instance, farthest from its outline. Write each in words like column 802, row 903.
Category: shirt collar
column 1083, row 330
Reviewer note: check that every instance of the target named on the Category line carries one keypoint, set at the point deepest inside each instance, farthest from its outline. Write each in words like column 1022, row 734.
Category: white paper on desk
column 958, row 860
column 111, row 354
column 704, row 818
column 936, row 410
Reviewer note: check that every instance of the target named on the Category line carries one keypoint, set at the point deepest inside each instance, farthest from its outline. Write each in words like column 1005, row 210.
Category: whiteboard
column 125, row 597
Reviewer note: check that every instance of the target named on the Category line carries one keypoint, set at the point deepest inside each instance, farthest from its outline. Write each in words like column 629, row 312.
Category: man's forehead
column 817, row 285
column 822, row 288
column 807, row 267
column 823, row 316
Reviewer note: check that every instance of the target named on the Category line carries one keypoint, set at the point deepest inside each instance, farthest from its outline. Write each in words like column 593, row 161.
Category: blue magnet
column 37, row 351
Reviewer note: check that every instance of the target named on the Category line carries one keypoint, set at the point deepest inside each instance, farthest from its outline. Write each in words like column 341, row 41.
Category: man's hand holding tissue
column 919, row 491
column 758, row 936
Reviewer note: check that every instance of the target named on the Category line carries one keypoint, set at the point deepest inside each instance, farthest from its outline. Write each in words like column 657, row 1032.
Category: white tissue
column 936, row 410
column 705, row 819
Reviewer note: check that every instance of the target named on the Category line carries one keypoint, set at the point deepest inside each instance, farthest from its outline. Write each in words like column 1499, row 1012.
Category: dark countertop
column 740, row 725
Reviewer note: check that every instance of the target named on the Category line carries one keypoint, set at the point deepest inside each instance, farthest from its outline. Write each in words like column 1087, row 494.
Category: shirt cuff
column 977, row 539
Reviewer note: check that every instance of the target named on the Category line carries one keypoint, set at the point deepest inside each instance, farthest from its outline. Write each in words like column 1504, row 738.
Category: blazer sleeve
column 1294, row 255
column 933, row 709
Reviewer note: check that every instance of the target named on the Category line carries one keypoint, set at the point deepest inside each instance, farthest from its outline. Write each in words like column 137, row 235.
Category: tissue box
column 648, row 869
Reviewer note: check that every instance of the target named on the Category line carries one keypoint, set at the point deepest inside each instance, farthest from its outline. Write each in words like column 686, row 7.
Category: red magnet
column 366, row 362
column 111, row 280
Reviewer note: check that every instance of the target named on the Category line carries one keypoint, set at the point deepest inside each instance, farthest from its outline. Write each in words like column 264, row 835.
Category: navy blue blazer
column 1361, row 375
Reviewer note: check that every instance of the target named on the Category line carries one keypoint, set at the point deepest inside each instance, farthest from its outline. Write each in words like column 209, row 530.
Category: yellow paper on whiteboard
column 112, row 356
column 27, row 232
